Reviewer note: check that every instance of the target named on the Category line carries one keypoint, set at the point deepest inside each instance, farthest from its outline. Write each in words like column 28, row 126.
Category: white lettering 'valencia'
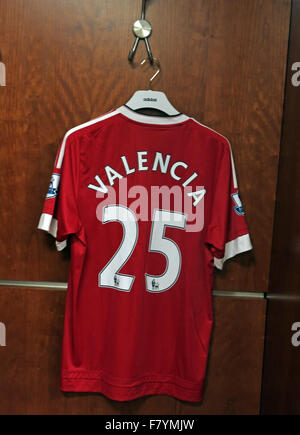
column 160, row 163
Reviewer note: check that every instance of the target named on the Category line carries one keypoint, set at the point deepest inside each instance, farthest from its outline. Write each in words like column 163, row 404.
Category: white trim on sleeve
column 48, row 223
column 61, row 245
column 232, row 248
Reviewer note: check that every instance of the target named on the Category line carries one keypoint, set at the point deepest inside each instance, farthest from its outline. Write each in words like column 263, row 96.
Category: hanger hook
column 155, row 61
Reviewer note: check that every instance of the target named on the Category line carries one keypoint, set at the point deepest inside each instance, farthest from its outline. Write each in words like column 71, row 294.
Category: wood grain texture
column 31, row 358
column 67, row 63
column 284, row 271
column 281, row 382
column 234, row 374
column 30, row 362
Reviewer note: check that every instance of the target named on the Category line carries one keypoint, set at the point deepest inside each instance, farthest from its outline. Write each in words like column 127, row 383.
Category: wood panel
column 281, row 382
column 233, row 382
column 31, row 358
column 284, row 273
column 30, row 362
column 67, row 63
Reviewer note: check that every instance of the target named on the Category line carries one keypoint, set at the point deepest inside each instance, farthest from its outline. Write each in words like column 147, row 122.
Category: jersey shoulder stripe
column 78, row 128
column 219, row 135
column 235, row 184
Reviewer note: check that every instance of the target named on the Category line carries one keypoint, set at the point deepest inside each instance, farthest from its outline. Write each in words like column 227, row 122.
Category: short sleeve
column 60, row 215
column 227, row 233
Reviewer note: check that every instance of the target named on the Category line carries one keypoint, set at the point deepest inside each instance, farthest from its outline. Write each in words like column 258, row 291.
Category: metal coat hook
column 142, row 29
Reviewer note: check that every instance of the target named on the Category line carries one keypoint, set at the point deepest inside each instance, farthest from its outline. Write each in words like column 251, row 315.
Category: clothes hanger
column 149, row 99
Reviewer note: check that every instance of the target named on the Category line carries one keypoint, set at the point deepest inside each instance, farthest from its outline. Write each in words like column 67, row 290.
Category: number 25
column 110, row 276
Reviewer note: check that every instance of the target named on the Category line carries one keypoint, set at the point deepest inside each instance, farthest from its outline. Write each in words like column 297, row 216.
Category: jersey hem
column 153, row 385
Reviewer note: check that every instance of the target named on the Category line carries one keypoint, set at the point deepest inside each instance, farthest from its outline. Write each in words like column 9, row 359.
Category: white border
column 232, row 248
column 144, row 119
column 235, row 184
column 148, row 119
column 79, row 127
column 48, row 223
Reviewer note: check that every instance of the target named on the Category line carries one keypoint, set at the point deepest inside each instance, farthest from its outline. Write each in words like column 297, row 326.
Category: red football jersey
column 149, row 205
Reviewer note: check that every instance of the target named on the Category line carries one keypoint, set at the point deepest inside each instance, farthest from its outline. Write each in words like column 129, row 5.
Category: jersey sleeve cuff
column 233, row 248
column 60, row 245
column 49, row 224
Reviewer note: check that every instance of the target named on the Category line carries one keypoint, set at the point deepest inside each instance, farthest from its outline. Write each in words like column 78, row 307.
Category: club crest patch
column 53, row 186
column 238, row 208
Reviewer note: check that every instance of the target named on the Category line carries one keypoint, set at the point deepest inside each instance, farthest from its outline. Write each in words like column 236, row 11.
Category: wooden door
column 223, row 63
column 281, row 382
